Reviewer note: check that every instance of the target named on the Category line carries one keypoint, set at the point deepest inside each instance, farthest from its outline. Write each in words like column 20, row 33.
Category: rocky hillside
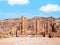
column 50, row 25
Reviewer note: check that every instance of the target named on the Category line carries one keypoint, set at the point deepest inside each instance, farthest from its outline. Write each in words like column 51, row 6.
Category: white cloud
column 19, row 2
column 50, row 8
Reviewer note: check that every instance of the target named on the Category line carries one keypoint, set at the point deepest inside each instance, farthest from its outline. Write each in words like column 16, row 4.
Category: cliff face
column 45, row 26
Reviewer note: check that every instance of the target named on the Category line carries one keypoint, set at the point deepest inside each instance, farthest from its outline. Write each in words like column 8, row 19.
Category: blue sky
column 29, row 8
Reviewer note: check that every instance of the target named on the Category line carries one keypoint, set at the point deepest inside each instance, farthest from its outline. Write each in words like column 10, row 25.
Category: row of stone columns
column 36, row 27
column 24, row 27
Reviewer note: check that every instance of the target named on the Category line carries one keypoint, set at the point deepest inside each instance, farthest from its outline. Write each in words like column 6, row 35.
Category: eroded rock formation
column 37, row 26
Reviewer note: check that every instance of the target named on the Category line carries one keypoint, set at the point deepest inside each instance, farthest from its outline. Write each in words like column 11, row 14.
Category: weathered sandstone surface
column 36, row 26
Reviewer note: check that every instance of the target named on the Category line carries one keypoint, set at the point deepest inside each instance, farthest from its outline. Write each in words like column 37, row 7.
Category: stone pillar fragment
column 13, row 31
column 24, row 25
column 37, row 26
column 20, row 28
column 35, row 30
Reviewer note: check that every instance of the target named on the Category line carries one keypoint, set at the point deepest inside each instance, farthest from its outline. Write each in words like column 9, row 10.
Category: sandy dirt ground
column 30, row 41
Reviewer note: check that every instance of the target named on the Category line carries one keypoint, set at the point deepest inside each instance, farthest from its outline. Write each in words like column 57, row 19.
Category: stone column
column 35, row 30
column 24, row 25
column 20, row 28
column 13, row 31
column 37, row 26
column 46, row 29
column 49, row 27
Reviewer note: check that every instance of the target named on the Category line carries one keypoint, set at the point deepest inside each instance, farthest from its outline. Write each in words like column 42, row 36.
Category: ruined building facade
column 37, row 27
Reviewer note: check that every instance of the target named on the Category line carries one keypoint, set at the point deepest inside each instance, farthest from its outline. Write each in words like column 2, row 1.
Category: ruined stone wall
column 37, row 26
